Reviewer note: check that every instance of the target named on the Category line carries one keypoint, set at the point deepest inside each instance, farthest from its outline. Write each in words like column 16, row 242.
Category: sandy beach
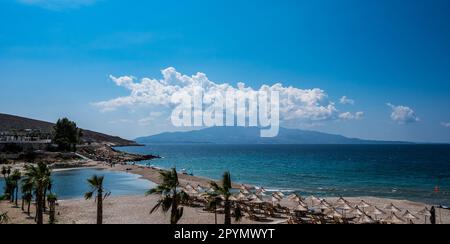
column 135, row 209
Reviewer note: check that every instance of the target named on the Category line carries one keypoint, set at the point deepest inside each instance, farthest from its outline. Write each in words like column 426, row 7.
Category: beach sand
column 136, row 209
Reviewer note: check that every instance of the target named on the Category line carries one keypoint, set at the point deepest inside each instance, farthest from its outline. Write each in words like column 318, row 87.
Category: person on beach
column 433, row 215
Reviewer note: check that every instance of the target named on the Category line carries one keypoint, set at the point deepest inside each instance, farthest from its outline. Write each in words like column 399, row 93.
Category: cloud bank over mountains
column 296, row 104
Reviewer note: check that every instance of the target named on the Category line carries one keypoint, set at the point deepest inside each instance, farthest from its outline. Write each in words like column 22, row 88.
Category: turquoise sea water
column 395, row 171
column 72, row 184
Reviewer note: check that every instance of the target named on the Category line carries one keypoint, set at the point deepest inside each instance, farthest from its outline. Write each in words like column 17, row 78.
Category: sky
column 374, row 69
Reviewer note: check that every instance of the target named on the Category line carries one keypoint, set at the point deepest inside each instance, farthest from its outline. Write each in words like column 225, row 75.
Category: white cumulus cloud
column 351, row 116
column 446, row 124
column 346, row 100
column 403, row 114
column 310, row 105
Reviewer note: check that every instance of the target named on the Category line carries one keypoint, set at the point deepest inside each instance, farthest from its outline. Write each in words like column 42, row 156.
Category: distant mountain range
column 11, row 122
column 241, row 135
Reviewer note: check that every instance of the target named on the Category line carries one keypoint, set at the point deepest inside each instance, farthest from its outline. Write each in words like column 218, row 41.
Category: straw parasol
column 365, row 219
column 324, row 206
column 257, row 201
column 392, row 208
column 200, row 188
column 333, row 213
column 260, row 193
column 394, row 219
column 377, row 212
column 425, row 212
column 253, row 197
column 301, row 208
column 409, row 216
column 363, row 205
column 275, row 201
column 277, row 197
column 315, row 201
column 241, row 196
column 341, row 201
column 233, row 198
column 357, row 212
column 192, row 192
column 292, row 196
column 188, row 187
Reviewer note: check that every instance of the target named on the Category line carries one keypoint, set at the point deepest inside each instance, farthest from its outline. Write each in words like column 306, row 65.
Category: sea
column 408, row 172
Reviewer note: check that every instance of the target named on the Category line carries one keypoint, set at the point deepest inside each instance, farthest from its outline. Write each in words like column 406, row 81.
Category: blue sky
column 56, row 58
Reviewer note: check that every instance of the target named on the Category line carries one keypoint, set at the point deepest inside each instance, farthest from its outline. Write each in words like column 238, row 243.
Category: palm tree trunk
column 215, row 215
column 29, row 206
column 227, row 212
column 100, row 207
column 173, row 217
column 52, row 212
column 44, row 202
column 39, row 208
column 23, row 203
column 17, row 196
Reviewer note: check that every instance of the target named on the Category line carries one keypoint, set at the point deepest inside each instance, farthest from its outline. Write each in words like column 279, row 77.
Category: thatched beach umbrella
column 279, row 193
column 357, row 212
column 342, row 201
column 365, row 219
column 253, row 197
column 277, row 197
column 393, row 209
column 188, row 187
column 200, row 188
column 290, row 197
column 333, row 213
column 192, row 192
column 363, row 205
column 257, row 201
column 241, row 196
column 324, row 206
column 301, row 208
column 377, row 212
column 275, row 201
column 426, row 213
column 315, row 201
column 409, row 216
column 394, row 219
column 260, row 193
column 233, row 198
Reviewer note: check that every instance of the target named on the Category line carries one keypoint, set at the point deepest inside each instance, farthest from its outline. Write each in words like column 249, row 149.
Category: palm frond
column 88, row 195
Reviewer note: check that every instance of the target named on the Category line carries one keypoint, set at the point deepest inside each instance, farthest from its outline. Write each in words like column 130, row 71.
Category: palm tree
column 224, row 190
column 96, row 184
column 6, row 172
column 39, row 176
column 27, row 194
column 15, row 178
column 51, row 198
column 214, row 200
column 171, row 198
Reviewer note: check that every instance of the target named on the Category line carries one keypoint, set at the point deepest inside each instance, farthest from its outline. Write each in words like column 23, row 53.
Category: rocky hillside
column 11, row 122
